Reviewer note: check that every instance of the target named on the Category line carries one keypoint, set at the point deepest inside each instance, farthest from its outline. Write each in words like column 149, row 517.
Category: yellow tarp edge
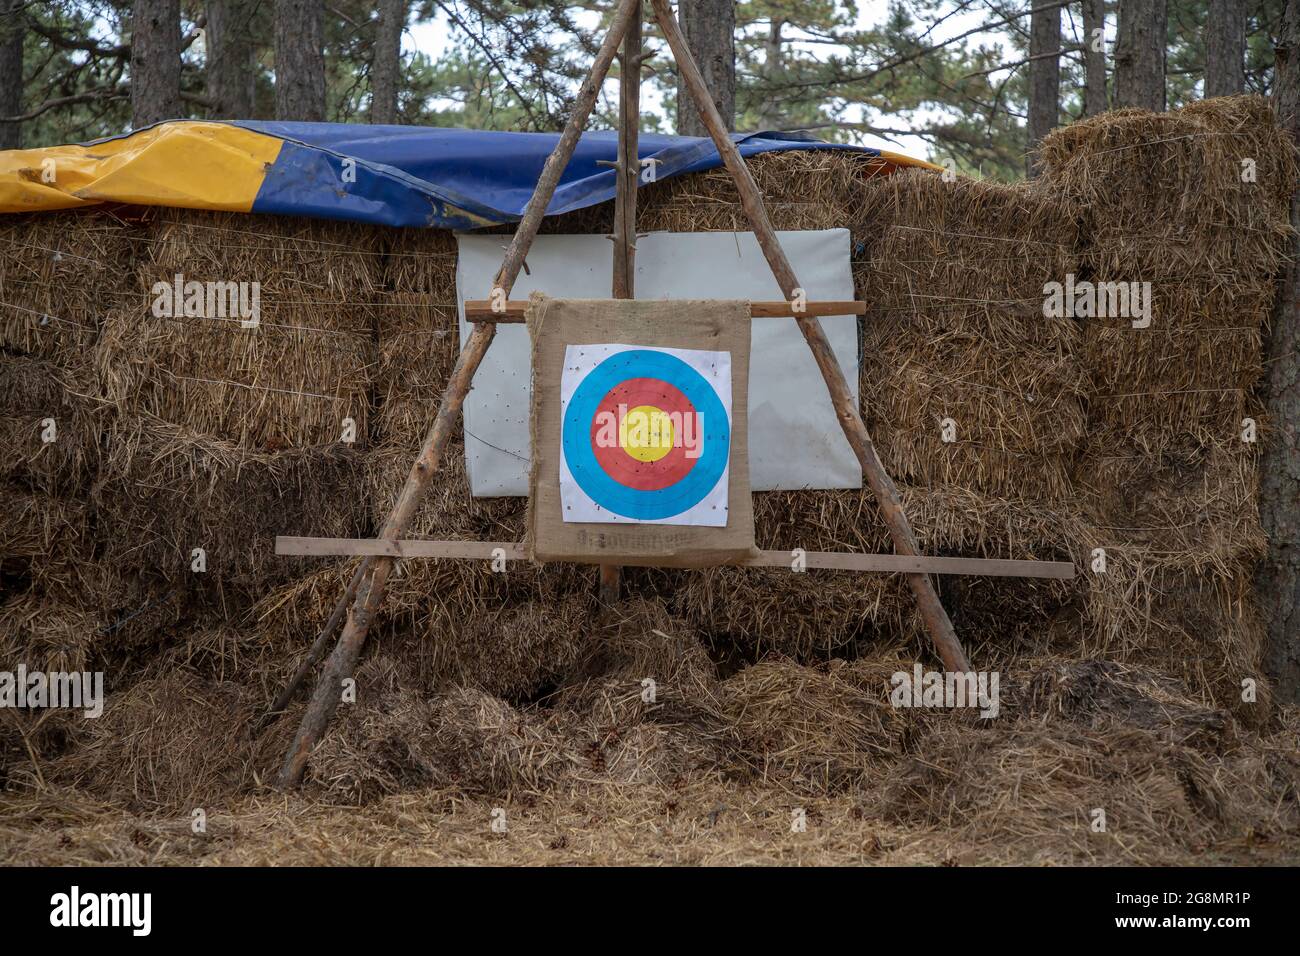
column 188, row 163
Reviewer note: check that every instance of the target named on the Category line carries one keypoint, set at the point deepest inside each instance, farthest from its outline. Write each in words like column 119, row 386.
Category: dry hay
column 644, row 705
column 395, row 739
column 289, row 382
column 267, row 388
column 418, row 335
column 1191, row 373
column 1181, row 535
column 1168, row 205
column 1034, row 789
column 32, row 393
column 1166, row 194
column 515, row 648
column 170, row 743
column 510, row 649
column 807, row 728
column 1160, row 481
column 47, row 634
column 434, row 595
column 705, row 823
column 42, row 633
column 59, row 271
column 45, row 542
column 1100, row 694
column 1199, row 624
column 801, row 190
column 640, row 640
column 1172, row 773
column 167, row 491
column 955, row 330
column 819, row 613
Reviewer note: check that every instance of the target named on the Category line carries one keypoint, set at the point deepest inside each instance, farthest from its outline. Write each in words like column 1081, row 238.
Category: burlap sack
column 553, row 325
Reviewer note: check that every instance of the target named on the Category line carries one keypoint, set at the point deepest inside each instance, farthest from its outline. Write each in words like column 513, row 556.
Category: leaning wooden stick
column 343, row 660
column 855, row 430
column 316, row 653
column 626, row 172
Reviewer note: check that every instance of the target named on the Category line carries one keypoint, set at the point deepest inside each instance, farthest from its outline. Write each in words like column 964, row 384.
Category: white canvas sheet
column 795, row 440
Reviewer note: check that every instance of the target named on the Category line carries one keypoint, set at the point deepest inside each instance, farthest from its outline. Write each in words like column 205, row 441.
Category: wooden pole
column 370, row 592
column 559, row 158
column 855, row 430
column 838, row 560
column 516, row 310
column 626, row 173
column 316, row 653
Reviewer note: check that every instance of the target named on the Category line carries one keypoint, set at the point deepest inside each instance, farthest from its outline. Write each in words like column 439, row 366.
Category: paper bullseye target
column 646, row 435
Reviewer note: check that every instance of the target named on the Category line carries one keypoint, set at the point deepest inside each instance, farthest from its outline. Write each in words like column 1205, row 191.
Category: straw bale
column 167, row 491
column 1166, row 193
column 955, row 330
column 1192, row 372
column 291, row 381
column 31, row 392
column 273, row 387
column 418, row 336
column 801, row 190
column 1181, row 535
column 1169, row 204
column 59, row 272
column 45, row 542
column 428, row 591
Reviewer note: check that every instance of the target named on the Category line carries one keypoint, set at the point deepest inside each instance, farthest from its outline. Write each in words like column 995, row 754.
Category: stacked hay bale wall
column 184, row 432
column 1195, row 204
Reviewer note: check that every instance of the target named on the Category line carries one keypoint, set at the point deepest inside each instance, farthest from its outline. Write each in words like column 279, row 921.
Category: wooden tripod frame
column 365, row 591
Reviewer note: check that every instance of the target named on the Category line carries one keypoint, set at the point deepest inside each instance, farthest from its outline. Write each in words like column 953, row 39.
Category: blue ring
column 596, row 483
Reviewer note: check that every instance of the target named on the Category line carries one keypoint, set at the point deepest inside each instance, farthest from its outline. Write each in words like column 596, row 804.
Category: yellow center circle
column 646, row 433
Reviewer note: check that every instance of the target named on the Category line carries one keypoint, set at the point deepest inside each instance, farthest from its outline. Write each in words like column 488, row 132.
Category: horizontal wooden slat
column 480, row 310
column 843, row 561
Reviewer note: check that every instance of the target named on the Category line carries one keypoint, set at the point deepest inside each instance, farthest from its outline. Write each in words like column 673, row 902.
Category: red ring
column 616, row 462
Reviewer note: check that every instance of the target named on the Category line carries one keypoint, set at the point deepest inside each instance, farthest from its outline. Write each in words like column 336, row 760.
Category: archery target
column 645, row 435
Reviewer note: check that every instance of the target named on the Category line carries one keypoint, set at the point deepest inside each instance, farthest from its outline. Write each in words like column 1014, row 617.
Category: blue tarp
column 459, row 178
column 383, row 175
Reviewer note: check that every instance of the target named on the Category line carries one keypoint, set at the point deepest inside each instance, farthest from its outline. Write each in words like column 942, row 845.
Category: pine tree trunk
column 1044, row 80
column 1140, row 54
column 12, row 30
column 230, row 63
column 1278, row 576
column 1095, row 99
column 710, row 30
column 299, row 60
column 769, row 113
column 155, row 62
column 387, row 61
column 1225, row 48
